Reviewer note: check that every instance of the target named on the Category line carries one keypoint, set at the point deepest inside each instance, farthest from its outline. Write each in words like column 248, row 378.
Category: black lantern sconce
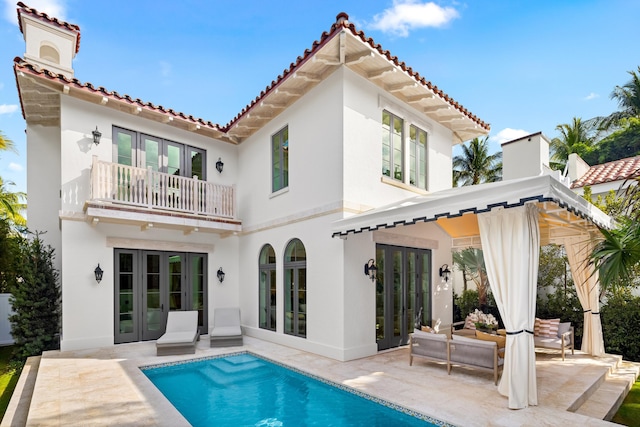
column 96, row 136
column 445, row 273
column 219, row 165
column 98, row 272
column 370, row 269
column 220, row 275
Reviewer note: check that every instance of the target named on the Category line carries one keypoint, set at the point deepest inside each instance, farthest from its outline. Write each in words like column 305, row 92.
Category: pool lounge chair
column 226, row 331
column 181, row 334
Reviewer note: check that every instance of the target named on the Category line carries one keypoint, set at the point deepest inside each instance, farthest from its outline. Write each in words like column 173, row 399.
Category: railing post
column 94, row 176
column 196, row 193
column 149, row 187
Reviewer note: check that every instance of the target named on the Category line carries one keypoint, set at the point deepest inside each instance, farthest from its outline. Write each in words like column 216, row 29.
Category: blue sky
column 522, row 66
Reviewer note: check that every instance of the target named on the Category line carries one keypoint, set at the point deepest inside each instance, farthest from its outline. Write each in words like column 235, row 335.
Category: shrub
column 36, row 301
column 620, row 319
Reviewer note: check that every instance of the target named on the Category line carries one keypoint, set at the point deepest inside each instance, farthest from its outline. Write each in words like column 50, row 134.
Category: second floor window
column 161, row 155
column 418, row 157
column 392, row 146
column 280, row 160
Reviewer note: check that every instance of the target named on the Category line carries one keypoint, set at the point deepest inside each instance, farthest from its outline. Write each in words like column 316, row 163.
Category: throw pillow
column 428, row 329
column 546, row 327
column 499, row 339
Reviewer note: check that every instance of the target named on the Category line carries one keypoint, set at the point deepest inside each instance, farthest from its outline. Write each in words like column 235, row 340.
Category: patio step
column 603, row 400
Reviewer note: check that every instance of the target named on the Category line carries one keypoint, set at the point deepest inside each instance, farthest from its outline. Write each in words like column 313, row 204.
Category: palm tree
column 11, row 204
column 6, row 143
column 475, row 165
column 628, row 97
column 471, row 262
column 577, row 137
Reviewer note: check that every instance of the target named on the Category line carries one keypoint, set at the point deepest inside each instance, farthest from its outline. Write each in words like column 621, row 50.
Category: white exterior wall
column 88, row 307
column 43, row 185
column 525, row 157
column 364, row 184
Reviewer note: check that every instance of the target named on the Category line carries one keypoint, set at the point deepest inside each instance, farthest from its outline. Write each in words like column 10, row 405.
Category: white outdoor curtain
column 511, row 246
column 588, row 290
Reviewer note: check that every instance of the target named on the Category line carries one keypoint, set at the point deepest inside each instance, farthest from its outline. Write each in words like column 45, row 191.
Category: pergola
column 510, row 220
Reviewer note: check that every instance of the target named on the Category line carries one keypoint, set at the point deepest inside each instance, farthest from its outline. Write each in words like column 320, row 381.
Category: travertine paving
column 105, row 386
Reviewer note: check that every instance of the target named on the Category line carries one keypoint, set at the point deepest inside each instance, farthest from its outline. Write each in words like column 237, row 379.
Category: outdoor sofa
column 553, row 334
column 457, row 350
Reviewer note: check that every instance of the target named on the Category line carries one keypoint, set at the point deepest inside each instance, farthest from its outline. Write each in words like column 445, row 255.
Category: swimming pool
column 244, row 389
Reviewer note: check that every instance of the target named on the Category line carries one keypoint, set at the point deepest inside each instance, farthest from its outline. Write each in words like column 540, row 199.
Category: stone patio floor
column 105, row 386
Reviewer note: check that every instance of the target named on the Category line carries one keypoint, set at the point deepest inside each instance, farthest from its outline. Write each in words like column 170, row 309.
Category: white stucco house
column 166, row 203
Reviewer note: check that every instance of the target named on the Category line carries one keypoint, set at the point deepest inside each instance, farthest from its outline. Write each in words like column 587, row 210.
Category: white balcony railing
column 116, row 183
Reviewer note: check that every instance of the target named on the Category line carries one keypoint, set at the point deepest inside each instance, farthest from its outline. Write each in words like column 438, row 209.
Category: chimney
column 51, row 44
column 576, row 167
column 525, row 157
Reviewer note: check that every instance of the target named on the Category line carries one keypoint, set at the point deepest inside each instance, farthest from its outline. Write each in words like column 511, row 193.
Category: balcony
column 126, row 194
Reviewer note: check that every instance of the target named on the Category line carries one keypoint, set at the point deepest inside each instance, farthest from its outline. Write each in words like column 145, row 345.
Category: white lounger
column 226, row 331
column 181, row 334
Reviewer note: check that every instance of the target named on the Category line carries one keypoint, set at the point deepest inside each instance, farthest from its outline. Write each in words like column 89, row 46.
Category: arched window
column 295, row 289
column 267, row 291
column 50, row 54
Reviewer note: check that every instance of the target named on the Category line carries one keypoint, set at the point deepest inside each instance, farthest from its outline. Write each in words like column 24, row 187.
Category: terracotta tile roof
column 20, row 65
column 618, row 170
column 342, row 22
column 23, row 8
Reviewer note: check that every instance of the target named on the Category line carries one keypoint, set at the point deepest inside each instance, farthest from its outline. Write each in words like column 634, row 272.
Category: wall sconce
column 96, row 136
column 220, row 275
column 98, row 272
column 370, row 269
column 445, row 273
column 219, row 165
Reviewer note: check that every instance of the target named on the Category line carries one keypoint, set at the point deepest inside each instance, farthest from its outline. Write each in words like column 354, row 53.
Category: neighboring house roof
column 23, row 8
column 342, row 45
column 617, row 170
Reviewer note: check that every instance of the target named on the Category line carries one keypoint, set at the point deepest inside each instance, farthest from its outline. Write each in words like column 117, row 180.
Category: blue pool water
column 244, row 390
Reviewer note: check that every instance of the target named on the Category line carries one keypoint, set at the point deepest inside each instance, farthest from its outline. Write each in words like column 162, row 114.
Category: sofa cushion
column 546, row 327
column 502, row 341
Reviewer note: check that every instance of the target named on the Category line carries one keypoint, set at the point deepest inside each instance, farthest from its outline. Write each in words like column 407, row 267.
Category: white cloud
column 407, row 15
column 8, row 108
column 508, row 134
column 15, row 167
column 53, row 8
column 591, row 96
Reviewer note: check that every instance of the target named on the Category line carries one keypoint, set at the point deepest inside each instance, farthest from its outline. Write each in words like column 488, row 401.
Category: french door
column 149, row 284
column 403, row 293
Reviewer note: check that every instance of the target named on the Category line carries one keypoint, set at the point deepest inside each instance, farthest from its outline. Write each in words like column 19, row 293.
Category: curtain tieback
column 597, row 313
column 586, row 311
column 519, row 332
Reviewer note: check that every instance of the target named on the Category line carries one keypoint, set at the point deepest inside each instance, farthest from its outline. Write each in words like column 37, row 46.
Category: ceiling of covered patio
column 562, row 213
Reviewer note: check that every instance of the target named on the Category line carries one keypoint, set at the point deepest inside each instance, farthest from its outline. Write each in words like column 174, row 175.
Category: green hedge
column 620, row 319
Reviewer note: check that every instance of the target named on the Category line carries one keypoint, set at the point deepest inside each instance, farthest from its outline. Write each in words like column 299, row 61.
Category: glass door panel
column 153, row 319
column 302, row 302
column 176, row 301
column 410, row 294
column 289, row 301
column 397, row 297
column 198, row 289
column 126, row 327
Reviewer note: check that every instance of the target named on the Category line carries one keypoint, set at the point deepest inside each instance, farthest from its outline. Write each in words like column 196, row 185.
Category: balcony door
column 162, row 155
column 403, row 293
column 149, row 284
